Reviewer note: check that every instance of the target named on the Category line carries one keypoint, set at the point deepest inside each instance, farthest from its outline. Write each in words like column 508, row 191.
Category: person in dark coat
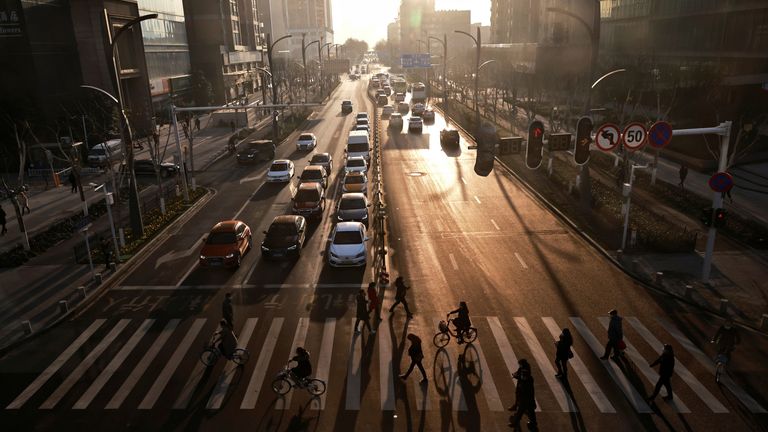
column 683, row 174
column 373, row 298
column 416, row 355
column 666, row 362
column 227, row 312
column 462, row 321
column 615, row 334
column 303, row 368
column 400, row 289
column 362, row 312
column 2, row 221
column 197, row 123
column 72, row 181
column 525, row 398
column 563, row 353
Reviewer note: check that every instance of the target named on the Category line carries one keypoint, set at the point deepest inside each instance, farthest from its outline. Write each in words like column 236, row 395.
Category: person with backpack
column 417, row 355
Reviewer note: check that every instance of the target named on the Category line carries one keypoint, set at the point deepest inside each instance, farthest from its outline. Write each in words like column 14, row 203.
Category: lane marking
column 495, row 225
column 507, row 353
column 463, row 180
column 324, row 361
column 563, row 398
column 174, row 255
column 486, row 382
column 520, row 259
column 172, row 365
column 454, row 391
column 708, row 398
column 298, row 341
column 187, row 273
column 55, row 366
column 354, row 371
column 113, row 366
column 260, row 371
column 143, row 365
column 453, row 261
column 80, row 370
column 225, row 379
column 477, row 199
column 386, row 379
column 613, row 369
column 602, row 402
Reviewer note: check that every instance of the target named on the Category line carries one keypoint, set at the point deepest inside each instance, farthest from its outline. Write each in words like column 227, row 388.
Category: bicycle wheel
column 470, row 335
column 316, row 387
column 441, row 339
column 281, row 386
column 209, row 357
column 241, row 356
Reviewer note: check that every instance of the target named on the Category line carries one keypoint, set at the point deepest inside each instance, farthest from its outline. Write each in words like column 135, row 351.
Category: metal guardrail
column 380, row 215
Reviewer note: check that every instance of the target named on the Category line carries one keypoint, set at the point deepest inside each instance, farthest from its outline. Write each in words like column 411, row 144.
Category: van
column 358, row 144
column 106, row 152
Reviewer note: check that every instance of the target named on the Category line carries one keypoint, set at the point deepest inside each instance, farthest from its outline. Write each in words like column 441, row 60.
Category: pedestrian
column 197, row 123
column 563, row 353
column 227, row 312
column 156, row 137
column 232, row 125
column 525, row 398
column 683, row 174
column 2, row 221
column 666, row 362
column 24, row 202
column 727, row 193
column 106, row 250
column 416, row 355
column 373, row 298
column 615, row 336
column 362, row 312
column 400, row 289
column 72, row 181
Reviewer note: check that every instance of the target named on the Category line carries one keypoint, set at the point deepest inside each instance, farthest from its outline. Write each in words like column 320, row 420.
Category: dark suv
column 309, row 200
column 346, row 106
column 256, row 151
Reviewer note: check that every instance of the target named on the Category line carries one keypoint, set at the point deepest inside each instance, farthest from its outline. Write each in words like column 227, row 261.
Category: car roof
column 314, row 168
column 310, row 185
column 415, row 118
column 346, row 101
column 352, row 195
column 285, row 219
column 225, row 226
column 355, row 174
column 280, row 161
column 356, row 158
column 324, row 154
column 306, row 133
column 348, row 226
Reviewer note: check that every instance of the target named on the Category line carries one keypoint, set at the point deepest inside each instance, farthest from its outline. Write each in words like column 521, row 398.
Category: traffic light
column 583, row 139
column 721, row 215
column 706, row 216
column 487, row 140
column 535, row 148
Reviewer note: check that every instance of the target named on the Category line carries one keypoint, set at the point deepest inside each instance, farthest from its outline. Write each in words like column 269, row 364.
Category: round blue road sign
column 660, row 134
column 721, row 182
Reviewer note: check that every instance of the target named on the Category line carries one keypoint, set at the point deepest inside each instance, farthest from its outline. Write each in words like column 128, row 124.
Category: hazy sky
column 368, row 19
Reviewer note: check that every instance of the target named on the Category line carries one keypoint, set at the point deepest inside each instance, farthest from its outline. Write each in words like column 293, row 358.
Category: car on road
column 309, row 200
column 403, row 108
column 147, row 167
column 281, row 170
column 362, row 115
column 353, row 206
column 382, row 100
column 387, row 89
column 361, row 122
column 355, row 164
column 449, row 138
column 428, row 116
column 355, row 182
column 363, row 128
column 256, row 151
column 285, row 237
column 387, row 110
column 314, row 173
column 399, row 97
column 354, row 77
column 418, row 109
column 306, row 141
column 348, row 247
column 346, row 106
column 324, row 160
column 396, row 121
column 226, row 244
column 415, row 124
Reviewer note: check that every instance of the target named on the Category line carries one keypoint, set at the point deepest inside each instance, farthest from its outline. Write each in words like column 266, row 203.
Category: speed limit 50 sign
column 634, row 136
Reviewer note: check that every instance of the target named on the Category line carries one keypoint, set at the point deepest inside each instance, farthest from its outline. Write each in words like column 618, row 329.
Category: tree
column 355, row 49
column 202, row 89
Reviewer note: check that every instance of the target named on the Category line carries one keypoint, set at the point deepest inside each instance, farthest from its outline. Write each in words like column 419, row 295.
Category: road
column 130, row 361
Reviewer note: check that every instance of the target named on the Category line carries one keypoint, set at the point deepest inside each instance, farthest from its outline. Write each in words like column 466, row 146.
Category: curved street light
column 478, row 45
column 444, row 43
column 270, row 49
column 304, row 62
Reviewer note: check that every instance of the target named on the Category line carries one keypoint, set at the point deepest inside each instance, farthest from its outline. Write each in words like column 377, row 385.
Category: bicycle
column 721, row 361
column 286, row 380
column 443, row 336
column 211, row 354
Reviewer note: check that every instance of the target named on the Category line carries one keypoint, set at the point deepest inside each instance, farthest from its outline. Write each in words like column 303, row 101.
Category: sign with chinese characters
column 415, row 61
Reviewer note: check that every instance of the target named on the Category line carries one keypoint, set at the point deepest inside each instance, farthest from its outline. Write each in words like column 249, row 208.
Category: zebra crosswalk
column 154, row 364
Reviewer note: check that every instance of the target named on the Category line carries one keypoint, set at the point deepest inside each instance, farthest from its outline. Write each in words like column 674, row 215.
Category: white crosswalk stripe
column 386, row 380
column 486, row 381
column 353, row 368
column 260, row 371
column 507, row 353
column 324, row 360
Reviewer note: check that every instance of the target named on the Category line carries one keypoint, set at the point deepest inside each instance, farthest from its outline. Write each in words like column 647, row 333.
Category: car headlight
column 202, row 257
column 230, row 255
column 264, row 248
column 339, row 218
column 291, row 247
column 334, row 255
column 365, row 216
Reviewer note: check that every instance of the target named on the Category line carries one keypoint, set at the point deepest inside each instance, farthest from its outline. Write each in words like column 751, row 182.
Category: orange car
column 226, row 244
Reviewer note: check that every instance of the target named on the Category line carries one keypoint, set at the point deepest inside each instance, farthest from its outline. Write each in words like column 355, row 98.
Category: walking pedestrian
column 563, row 353
column 106, row 250
column 615, row 336
column 24, row 202
column 416, row 355
column 373, row 299
column 232, row 125
column 227, row 312
column 400, row 289
column 525, row 398
column 2, row 221
column 197, row 123
column 362, row 312
column 72, row 181
column 666, row 362
column 683, row 174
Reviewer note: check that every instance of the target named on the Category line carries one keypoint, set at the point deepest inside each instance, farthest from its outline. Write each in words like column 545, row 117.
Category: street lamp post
column 444, row 43
column 134, row 207
column 270, row 49
column 478, row 46
column 320, row 60
column 304, row 63
column 109, row 200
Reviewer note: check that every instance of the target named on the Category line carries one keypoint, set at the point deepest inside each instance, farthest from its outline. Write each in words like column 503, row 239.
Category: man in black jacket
column 400, row 289
column 666, row 364
column 525, row 399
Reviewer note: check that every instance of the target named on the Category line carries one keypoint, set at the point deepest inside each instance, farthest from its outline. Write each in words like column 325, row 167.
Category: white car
column 361, row 115
column 348, row 248
column 396, row 121
column 415, row 124
column 387, row 110
column 306, row 141
column 281, row 170
column 356, row 164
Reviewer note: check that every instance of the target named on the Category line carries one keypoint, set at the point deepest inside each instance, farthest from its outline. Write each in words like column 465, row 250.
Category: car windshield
column 357, row 147
column 311, row 175
column 347, row 237
column 346, row 103
column 282, row 230
column 352, row 203
column 356, row 163
column 307, row 195
column 354, row 179
column 305, row 137
column 97, row 152
column 282, row 166
column 319, row 159
column 219, row 238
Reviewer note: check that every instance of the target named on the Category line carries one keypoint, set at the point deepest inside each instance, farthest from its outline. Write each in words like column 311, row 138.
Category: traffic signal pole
column 724, row 131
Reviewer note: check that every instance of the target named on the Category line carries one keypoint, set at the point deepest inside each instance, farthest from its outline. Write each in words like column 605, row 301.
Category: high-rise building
column 312, row 18
column 414, row 18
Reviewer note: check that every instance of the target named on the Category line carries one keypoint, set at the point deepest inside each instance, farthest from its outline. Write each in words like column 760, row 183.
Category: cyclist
column 225, row 340
column 461, row 321
column 726, row 338
column 303, row 368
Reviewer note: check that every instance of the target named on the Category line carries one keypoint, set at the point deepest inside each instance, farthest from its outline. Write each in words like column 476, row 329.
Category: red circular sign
column 721, row 182
column 634, row 136
column 607, row 137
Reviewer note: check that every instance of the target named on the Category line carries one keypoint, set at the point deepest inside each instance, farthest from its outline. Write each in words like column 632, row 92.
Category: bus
column 419, row 93
column 399, row 85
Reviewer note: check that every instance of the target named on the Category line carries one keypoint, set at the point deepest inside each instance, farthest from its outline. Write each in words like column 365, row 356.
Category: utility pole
column 270, row 49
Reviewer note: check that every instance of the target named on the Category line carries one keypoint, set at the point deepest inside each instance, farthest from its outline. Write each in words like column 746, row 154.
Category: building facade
column 312, row 18
column 415, row 17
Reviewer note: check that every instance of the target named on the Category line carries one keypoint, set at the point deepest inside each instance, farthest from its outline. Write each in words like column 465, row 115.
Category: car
column 348, row 248
column 399, row 97
column 363, row 128
column 354, row 77
column 281, row 170
column 346, row 106
column 355, row 182
column 284, row 237
column 226, row 244
column 396, row 121
column 387, row 89
column 428, row 116
column 256, row 151
column 382, row 100
column 353, row 206
column 387, row 110
column 355, row 164
column 449, row 138
column 147, row 167
column 314, row 173
column 309, row 200
column 324, row 160
column 403, row 107
column 415, row 124
column 418, row 109
column 361, row 122
column 362, row 115
column 306, row 141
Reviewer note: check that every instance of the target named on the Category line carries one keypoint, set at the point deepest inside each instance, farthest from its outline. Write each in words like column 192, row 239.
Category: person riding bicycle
column 726, row 338
column 461, row 321
column 303, row 368
column 225, row 339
